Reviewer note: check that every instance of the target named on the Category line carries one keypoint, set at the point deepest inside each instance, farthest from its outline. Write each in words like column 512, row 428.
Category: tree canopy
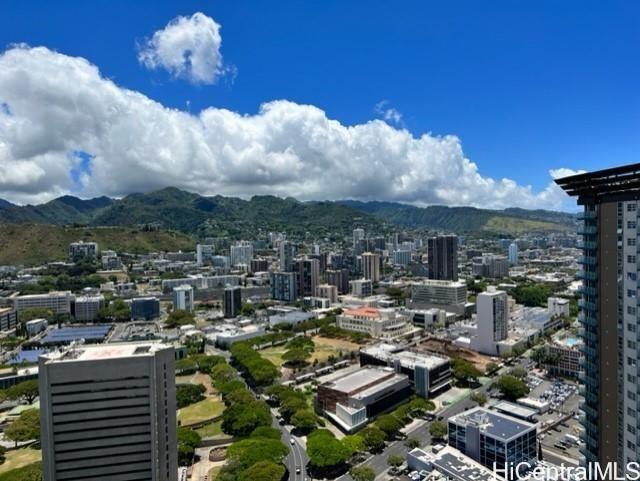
column 511, row 387
column 325, row 451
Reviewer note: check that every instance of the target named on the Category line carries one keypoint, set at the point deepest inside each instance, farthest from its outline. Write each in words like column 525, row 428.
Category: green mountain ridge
column 174, row 209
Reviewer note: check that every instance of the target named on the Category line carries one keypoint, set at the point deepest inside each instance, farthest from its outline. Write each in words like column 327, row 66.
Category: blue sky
column 526, row 86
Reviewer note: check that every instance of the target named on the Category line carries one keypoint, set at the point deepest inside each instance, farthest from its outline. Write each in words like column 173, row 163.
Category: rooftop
column 592, row 186
column 105, row 351
column 371, row 312
column 455, row 465
column 388, row 352
column 360, row 379
column 494, row 424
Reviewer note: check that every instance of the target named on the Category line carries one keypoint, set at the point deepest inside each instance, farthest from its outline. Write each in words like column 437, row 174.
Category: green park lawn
column 17, row 458
column 211, row 430
column 200, row 411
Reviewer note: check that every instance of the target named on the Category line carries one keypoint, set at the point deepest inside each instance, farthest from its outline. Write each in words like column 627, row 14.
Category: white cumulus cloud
column 58, row 106
column 188, row 47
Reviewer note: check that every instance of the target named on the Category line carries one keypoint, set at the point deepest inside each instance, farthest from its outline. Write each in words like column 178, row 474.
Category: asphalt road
column 297, row 457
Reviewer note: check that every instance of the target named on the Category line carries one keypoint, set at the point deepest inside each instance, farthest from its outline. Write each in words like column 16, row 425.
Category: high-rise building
column 241, row 253
column 402, row 257
column 371, row 266
column 442, row 253
column 358, row 235
column 328, row 291
column 490, row 265
column 308, row 276
column 492, row 319
column 284, row 286
column 340, row 279
column 259, row 265
column 183, row 298
column 109, row 412
column 8, row 319
column 609, row 311
column 287, row 254
column 361, row 287
column 232, row 301
column 204, row 254
column 448, row 295
column 513, row 254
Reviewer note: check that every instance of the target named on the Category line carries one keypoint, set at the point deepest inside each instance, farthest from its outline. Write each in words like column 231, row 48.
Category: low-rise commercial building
column 352, row 399
column 57, row 302
column 429, row 373
column 378, row 323
column 86, row 308
column 146, row 308
column 490, row 437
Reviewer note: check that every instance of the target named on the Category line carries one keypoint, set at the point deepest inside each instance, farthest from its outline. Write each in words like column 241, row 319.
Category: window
column 631, row 241
column 631, row 344
column 631, row 224
column 632, row 276
column 631, row 293
column 631, row 327
column 631, row 259
column 631, row 207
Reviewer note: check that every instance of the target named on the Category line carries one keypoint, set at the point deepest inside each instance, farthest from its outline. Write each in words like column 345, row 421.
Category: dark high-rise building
column 287, row 254
column 308, row 276
column 609, row 311
column 284, row 286
column 232, row 301
column 259, row 265
column 443, row 257
column 340, row 279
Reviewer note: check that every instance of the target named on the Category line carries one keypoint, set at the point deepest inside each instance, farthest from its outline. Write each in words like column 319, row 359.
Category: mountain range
column 191, row 213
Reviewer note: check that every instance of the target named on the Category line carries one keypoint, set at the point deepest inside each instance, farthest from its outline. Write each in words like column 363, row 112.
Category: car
column 292, row 441
column 297, row 469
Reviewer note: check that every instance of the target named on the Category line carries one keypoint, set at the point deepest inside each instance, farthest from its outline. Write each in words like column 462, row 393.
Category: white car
column 292, row 441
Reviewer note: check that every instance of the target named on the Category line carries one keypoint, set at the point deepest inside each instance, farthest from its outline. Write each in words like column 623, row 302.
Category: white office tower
column 513, row 254
column 183, row 298
column 371, row 266
column 108, row 413
column 204, row 254
column 241, row 253
column 492, row 319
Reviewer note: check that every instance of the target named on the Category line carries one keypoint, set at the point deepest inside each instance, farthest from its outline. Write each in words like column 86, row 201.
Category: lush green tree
column 354, row 443
column 247, row 452
column 296, row 357
column 186, row 366
column 491, row 368
column 25, row 391
column 32, row 313
column 532, row 295
column 389, row 424
column 438, row 430
column 189, row 394
column 395, row 460
column 325, row 451
column 304, row 420
column 263, row 471
column 25, row 428
column 464, row 371
column 362, row 473
column 222, row 373
column 291, row 405
column 188, row 441
column 262, row 371
column 301, row 342
column 206, row 362
column 511, row 387
column 479, row 397
column 266, row 432
column 179, row 317
column 373, row 438
column 519, row 372
column 420, row 406
column 240, row 419
column 412, row 443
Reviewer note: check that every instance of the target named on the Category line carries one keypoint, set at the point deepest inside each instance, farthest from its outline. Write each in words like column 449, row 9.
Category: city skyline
column 189, row 72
